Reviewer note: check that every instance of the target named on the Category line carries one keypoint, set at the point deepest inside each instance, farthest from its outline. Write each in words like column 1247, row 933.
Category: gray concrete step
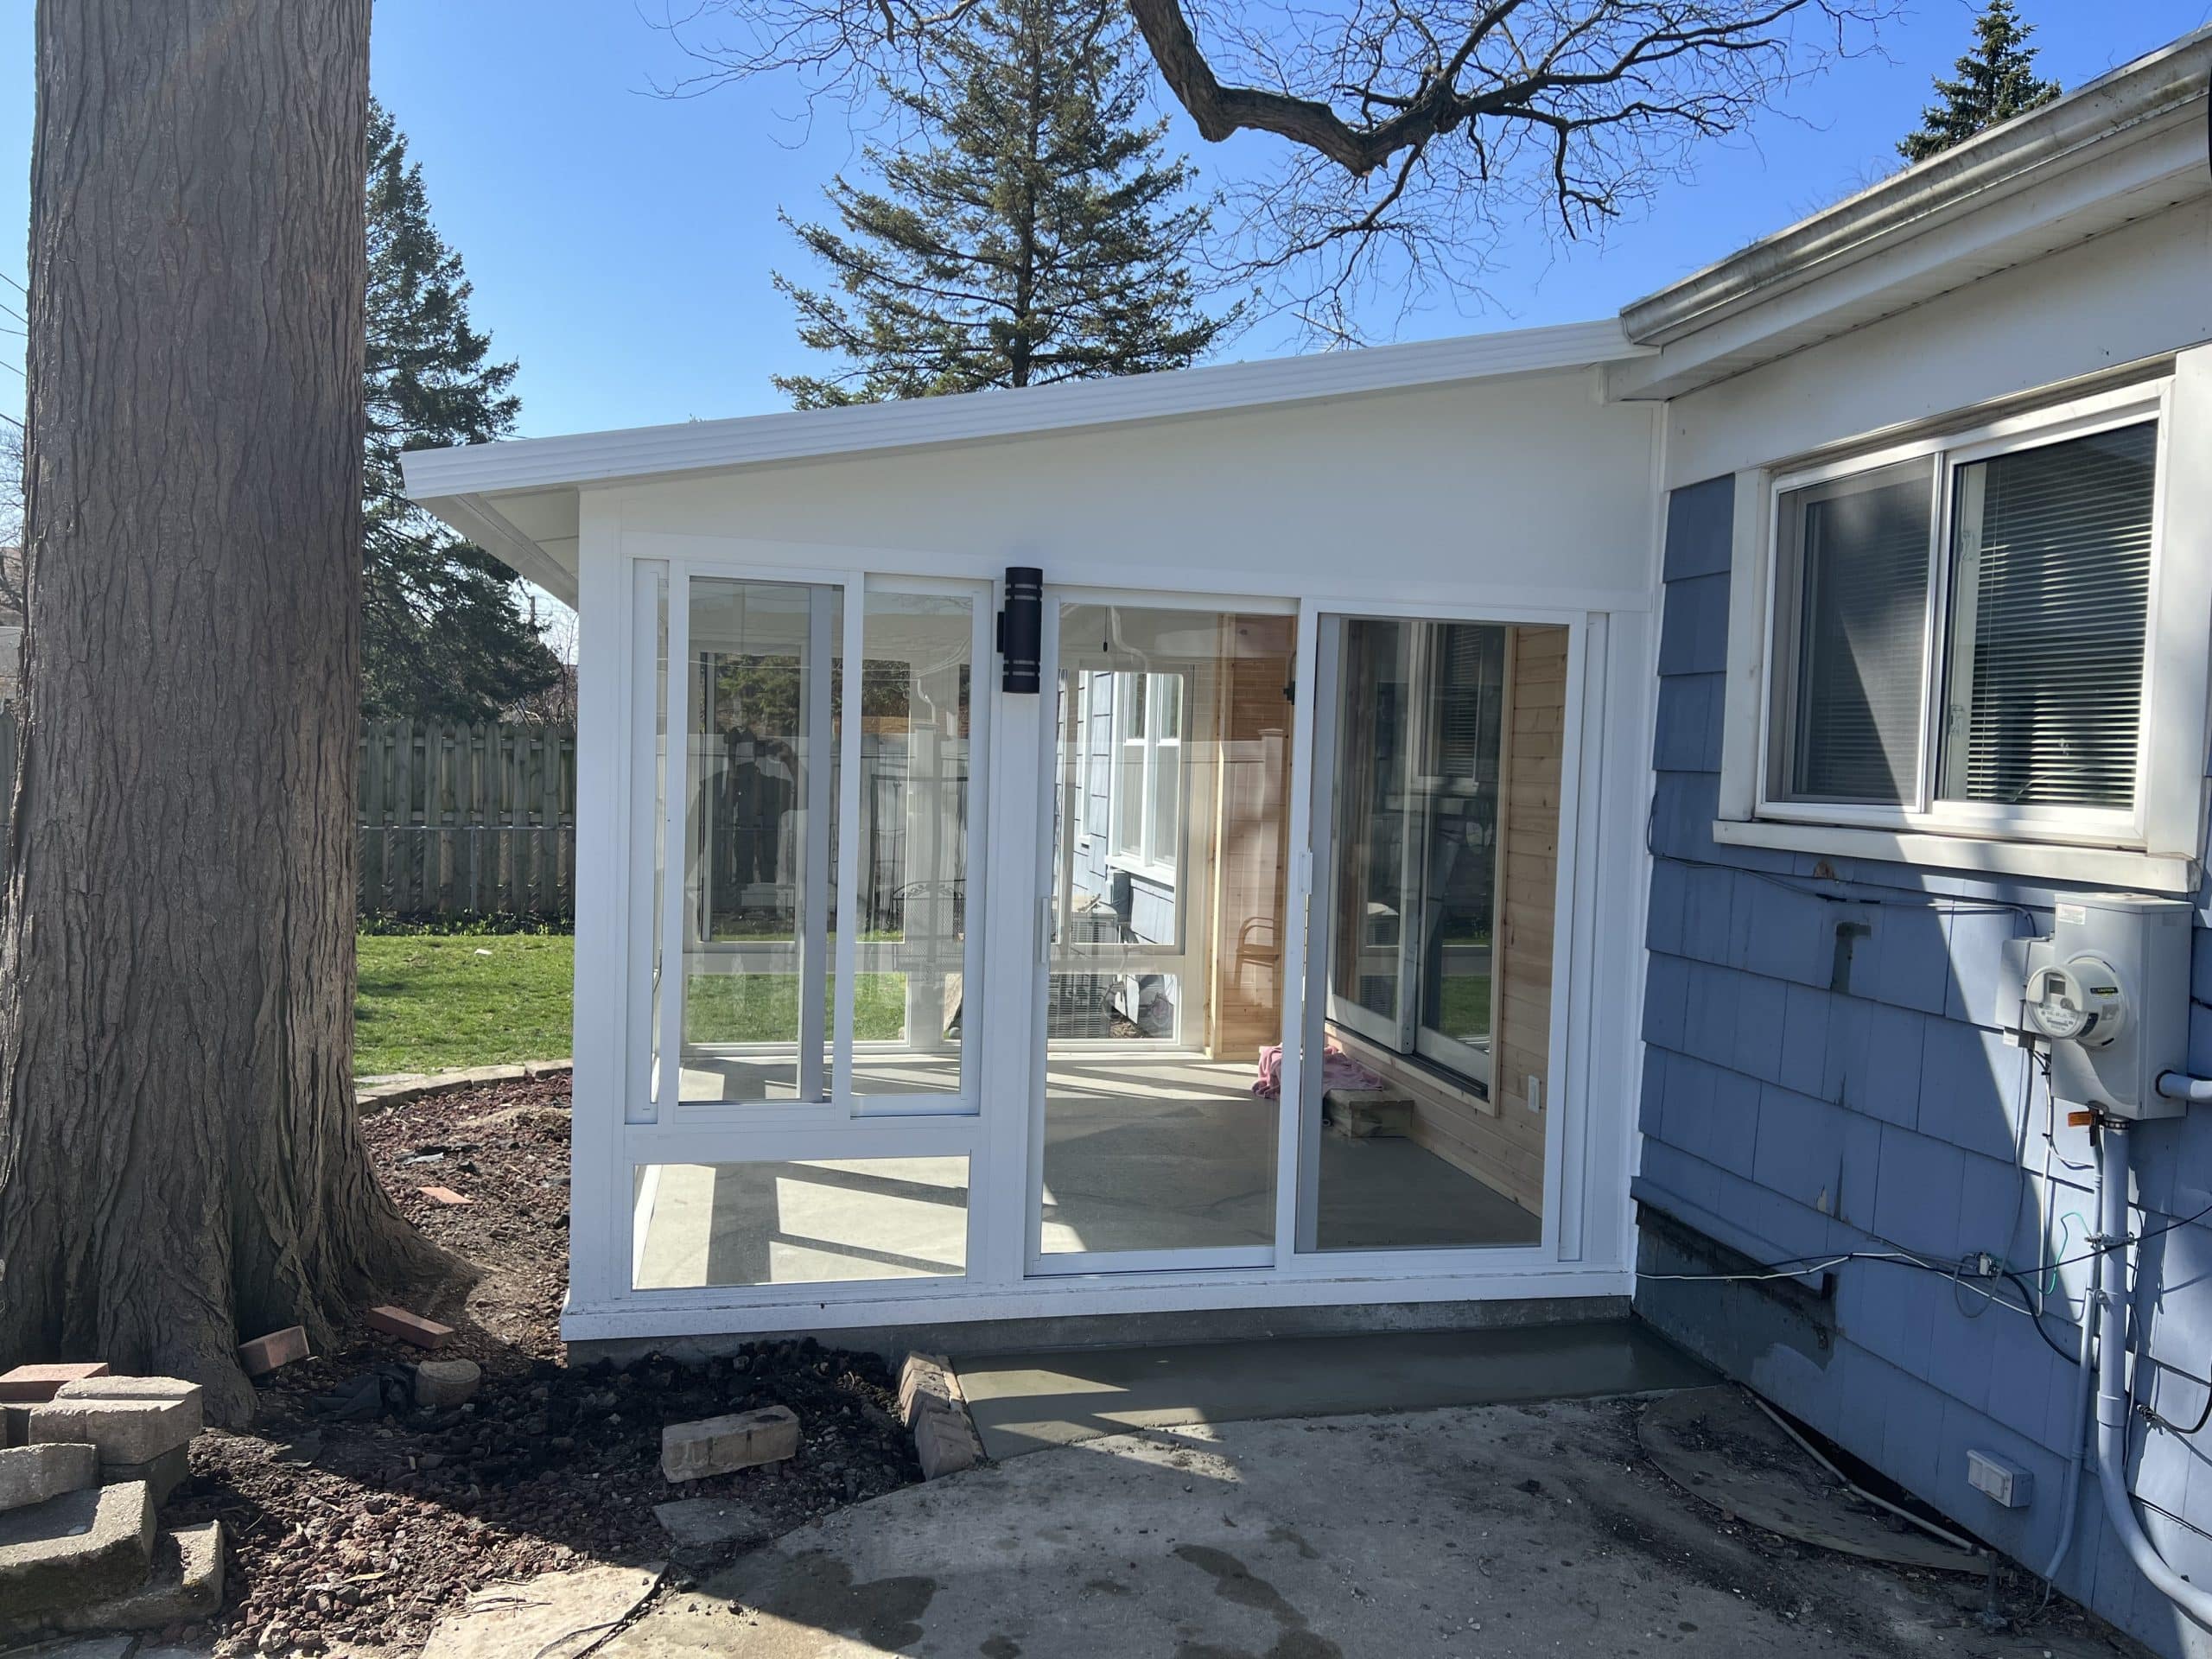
column 32, row 1474
column 73, row 1550
column 184, row 1583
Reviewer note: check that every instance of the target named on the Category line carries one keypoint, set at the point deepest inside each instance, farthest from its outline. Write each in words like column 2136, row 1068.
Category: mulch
column 357, row 1536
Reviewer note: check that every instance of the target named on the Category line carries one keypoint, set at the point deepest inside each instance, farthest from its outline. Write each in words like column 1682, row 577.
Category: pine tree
column 1033, row 231
column 441, row 637
column 1997, row 81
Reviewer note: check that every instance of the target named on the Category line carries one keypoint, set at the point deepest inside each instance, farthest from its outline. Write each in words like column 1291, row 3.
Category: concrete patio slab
column 1025, row 1401
column 1509, row 1532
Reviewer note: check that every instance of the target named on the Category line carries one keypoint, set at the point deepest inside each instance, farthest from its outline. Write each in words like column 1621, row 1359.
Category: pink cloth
column 1339, row 1071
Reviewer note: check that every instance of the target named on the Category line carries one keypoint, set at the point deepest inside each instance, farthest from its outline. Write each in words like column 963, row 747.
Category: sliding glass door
column 1419, row 724
column 1161, row 987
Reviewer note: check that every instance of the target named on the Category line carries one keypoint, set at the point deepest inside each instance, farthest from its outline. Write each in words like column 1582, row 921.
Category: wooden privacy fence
column 462, row 820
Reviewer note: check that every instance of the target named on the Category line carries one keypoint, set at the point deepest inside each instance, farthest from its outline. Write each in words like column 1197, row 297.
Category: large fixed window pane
column 1439, row 753
column 760, row 718
column 1853, row 601
column 822, row 1221
column 2051, row 552
column 910, row 1006
column 1164, row 985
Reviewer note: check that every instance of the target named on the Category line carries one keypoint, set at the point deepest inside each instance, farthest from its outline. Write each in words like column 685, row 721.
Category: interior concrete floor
column 1149, row 1153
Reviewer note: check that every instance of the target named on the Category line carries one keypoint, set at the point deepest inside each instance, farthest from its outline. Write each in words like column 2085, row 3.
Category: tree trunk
column 180, row 1164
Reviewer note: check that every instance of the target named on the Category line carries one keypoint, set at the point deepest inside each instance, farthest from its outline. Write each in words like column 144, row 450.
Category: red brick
column 31, row 1385
column 444, row 1195
column 410, row 1328
column 265, row 1354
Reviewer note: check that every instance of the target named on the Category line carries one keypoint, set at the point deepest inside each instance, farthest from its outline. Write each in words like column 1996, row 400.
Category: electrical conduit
column 2112, row 1407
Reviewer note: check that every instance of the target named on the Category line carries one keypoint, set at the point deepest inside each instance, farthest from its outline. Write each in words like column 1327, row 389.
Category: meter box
column 2109, row 992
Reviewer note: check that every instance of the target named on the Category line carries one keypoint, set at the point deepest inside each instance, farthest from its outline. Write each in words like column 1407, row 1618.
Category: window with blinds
column 2014, row 621
column 2049, row 589
column 1861, row 569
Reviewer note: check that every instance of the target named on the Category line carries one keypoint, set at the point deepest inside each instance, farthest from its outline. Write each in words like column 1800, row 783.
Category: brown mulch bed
column 358, row 1536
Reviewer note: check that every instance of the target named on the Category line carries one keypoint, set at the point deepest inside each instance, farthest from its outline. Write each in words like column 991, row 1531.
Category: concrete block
column 442, row 1382
column 31, row 1474
column 15, row 1426
column 408, row 1327
column 168, row 1390
column 75, row 1548
column 265, row 1354
column 161, row 1475
column 945, row 1441
column 131, row 1429
column 924, row 1377
column 716, row 1445
column 183, row 1584
column 36, row 1384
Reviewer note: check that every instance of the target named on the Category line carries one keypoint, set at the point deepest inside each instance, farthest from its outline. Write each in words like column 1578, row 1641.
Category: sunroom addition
column 1257, row 955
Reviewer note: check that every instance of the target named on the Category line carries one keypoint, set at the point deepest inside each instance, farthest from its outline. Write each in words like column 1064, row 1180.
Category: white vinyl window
column 1147, row 808
column 1960, row 632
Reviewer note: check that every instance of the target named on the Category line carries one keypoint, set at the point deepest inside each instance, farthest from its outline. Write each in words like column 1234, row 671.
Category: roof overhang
column 2126, row 145
column 518, row 499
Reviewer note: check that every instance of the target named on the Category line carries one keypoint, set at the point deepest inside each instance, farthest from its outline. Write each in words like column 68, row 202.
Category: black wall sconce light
column 1021, row 629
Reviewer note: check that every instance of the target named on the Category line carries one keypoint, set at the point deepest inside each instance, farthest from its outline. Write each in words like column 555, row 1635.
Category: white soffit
column 2127, row 145
column 518, row 499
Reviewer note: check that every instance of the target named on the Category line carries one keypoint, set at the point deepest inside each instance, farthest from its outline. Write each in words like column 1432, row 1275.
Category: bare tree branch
column 1413, row 129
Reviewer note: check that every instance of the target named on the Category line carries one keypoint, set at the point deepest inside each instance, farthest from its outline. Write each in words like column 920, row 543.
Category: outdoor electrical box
column 2108, row 992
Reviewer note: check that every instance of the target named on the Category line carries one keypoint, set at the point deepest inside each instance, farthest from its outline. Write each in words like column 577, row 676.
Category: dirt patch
column 357, row 1536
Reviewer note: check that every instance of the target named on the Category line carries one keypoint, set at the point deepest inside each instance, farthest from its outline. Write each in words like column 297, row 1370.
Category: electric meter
column 2106, row 992
column 2077, row 1002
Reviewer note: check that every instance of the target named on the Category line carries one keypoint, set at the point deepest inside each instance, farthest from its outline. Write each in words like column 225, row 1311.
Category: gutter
column 2133, row 102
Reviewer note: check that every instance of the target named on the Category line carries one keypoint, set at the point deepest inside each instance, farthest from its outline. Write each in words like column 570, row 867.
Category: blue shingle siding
column 1804, row 1096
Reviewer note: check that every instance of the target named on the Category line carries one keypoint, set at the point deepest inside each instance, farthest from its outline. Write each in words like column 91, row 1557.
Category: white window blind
column 2051, row 577
column 1860, row 567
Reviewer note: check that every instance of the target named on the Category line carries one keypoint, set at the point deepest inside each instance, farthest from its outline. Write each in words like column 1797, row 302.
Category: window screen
column 2051, row 577
column 1859, row 573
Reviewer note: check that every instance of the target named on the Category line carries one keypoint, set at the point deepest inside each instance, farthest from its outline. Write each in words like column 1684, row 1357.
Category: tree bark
column 180, row 1164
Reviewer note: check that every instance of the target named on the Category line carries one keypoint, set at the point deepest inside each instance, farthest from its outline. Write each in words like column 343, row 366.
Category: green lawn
column 429, row 1002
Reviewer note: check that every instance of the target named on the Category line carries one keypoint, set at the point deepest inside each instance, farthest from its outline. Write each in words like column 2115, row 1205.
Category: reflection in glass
column 1165, row 986
column 759, row 858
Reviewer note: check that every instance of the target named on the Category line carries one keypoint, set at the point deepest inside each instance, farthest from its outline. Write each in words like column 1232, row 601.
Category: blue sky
column 621, row 244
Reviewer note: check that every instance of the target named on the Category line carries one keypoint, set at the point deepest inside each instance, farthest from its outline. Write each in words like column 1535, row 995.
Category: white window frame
column 1158, row 865
column 2155, row 843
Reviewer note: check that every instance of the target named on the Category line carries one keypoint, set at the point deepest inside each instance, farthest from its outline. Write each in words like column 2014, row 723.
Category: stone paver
column 265, row 1354
column 32, row 1474
column 79, row 1547
column 559, row 1616
column 184, row 1582
column 35, row 1384
column 716, row 1445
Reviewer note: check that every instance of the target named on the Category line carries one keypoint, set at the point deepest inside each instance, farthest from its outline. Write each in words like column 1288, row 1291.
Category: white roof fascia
column 437, row 478
column 2131, row 143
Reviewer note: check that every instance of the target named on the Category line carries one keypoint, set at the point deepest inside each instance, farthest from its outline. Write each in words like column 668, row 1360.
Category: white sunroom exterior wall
column 1525, row 498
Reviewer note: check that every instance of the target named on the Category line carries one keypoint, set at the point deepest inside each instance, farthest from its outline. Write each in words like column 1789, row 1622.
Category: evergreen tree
column 1997, row 81
column 441, row 637
column 1033, row 232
